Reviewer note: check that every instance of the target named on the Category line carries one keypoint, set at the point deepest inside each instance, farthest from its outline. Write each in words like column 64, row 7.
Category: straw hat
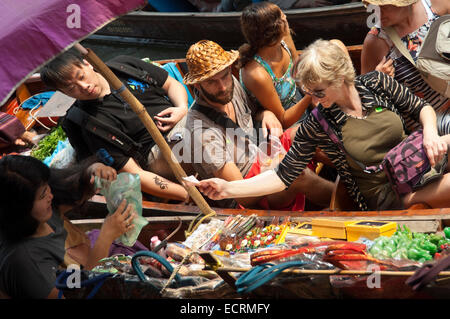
column 205, row 59
column 397, row 3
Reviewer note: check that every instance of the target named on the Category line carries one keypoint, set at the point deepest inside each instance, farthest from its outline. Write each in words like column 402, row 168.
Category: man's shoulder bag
column 222, row 120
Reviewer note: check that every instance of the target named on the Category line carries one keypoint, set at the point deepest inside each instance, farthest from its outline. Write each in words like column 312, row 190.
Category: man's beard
column 224, row 99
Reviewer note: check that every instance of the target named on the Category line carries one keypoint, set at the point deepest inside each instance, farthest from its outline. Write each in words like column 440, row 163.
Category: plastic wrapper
column 241, row 260
column 178, row 252
column 296, row 240
column 125, row 286
column 114, row 264
column 63, row 156
column 195, row 270
column 405, row 244
column 209, row 289
column 127, row 186
column 204, row 234
column 313, row 261
column 269, row 154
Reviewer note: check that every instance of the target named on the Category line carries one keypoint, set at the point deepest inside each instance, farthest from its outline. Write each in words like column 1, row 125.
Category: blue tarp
column 37, row 100
column 171, row 68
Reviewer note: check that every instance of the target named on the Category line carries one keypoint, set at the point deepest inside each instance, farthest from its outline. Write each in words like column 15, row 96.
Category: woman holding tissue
column 35, row 237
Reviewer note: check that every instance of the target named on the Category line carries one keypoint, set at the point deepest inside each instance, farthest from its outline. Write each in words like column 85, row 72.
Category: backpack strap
column 132, row 71
column 107, row 133
column 395, row 38
column 222, row 120
column 333, row 136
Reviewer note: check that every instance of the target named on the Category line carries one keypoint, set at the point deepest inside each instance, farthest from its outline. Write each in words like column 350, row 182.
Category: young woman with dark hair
column 20, row 189
column 266, row 63
column 33, row 232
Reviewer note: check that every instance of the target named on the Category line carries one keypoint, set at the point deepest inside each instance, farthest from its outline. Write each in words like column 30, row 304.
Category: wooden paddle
column 141, row 112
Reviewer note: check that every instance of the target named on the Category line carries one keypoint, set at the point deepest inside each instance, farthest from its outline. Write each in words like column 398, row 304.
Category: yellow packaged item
column 301, row 229
column 282, row 236
column 370, row 229
column 335, row 229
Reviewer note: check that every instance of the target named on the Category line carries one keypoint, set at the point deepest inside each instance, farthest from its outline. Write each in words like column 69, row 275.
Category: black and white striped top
column 407, row 74
column 375, row 89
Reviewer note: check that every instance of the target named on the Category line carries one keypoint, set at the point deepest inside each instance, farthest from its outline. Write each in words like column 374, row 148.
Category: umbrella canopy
column 32, row 32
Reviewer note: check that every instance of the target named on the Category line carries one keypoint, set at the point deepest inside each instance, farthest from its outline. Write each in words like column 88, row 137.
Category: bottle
column 154, row 242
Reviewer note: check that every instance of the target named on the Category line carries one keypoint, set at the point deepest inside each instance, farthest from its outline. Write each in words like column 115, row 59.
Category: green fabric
column 368, row 140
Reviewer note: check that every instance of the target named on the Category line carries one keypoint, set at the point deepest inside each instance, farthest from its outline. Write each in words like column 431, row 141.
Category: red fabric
column 297, row 203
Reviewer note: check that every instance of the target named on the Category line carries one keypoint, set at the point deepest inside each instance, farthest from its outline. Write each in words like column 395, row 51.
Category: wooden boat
column 34, row 85
column 347, row 22
column 304, row 284
column 165, row 218
column 165, row 214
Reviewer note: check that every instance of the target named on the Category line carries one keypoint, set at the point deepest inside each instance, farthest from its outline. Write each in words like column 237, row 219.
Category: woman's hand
column 435, row 147
column 120, row 222
column 386, row 66
column 168, row 118
column 102, row 171
column 25, row 138
column 214, row 188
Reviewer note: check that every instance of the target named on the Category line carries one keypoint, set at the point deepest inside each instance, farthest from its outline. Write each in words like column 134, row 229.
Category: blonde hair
column 324, row 61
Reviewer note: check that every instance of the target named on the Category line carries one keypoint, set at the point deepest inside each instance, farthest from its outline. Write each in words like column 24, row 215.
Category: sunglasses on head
column 318, row 94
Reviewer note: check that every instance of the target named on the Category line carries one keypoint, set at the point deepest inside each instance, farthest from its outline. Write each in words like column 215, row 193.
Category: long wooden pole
column 337, row 272
column 141, row 112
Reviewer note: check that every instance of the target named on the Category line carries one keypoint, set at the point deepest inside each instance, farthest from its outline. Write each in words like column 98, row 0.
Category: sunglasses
column 318, row 94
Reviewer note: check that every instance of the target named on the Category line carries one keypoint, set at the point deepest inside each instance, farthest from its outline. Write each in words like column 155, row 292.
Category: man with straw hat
column 223, row 132
column 406, row 23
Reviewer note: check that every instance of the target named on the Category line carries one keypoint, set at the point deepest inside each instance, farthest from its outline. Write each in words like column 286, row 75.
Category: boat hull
column 347, row 22
column 165, row 217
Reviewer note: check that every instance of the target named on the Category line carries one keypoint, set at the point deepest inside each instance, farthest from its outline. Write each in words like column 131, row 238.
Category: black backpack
column 77, row 119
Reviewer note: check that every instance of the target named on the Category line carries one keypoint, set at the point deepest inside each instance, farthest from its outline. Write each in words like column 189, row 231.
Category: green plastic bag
column 126, row 186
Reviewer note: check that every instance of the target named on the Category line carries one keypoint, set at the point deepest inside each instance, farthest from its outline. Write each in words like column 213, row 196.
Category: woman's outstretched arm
column 265, row 183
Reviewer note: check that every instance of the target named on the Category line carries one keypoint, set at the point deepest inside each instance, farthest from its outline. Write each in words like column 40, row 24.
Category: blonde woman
column 367, row 112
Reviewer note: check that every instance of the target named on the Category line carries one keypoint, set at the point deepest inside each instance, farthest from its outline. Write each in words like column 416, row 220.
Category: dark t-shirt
column 112, row 111
column 28, row 268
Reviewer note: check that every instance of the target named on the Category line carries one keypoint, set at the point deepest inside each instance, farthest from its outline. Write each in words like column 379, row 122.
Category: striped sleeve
column 409, row 76
column 408, row 104
column 310, row 136
column 300, row 153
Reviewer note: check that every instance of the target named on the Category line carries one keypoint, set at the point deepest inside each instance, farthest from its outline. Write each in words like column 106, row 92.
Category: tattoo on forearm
column 160, row 183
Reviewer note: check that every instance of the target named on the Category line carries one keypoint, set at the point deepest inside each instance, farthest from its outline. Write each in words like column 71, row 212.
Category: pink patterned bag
column 406, row 165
